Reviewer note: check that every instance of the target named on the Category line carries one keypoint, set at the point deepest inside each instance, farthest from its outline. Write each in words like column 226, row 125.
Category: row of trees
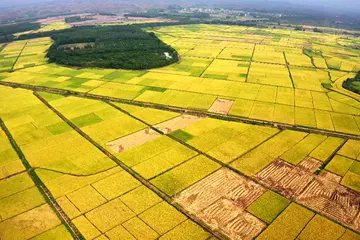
column 125, row 47
column 77, row 19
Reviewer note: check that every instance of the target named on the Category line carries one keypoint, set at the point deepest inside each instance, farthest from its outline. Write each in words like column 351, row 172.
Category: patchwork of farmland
column 249, row 136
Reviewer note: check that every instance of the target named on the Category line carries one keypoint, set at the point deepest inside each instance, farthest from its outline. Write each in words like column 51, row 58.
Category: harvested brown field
column 59, row 18
column 221, row 106
column 310, row 164
column 103, row 19
column 321, row 193
column 148, row 134
column 332, row 200
column 220, row 200
column 356, row 224
column 330, row 176
column 133, row 140
column 177, row 123
column 288, row 179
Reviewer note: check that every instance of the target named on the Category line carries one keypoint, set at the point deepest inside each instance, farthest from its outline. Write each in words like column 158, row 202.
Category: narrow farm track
column 327, row 161
column 42, row 188
column 226, row 165
column 182, row 110
column 12, row 175
column 74, row 175
column 251, row 60
column 288, row 68
column 132, row 172
column 17, row 59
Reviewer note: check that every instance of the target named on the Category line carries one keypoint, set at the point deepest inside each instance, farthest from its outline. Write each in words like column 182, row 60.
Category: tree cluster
column 122, row 47
column 349, row 84
column 7, row 31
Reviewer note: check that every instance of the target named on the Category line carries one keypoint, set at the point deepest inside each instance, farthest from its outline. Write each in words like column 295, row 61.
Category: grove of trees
column 123, row 47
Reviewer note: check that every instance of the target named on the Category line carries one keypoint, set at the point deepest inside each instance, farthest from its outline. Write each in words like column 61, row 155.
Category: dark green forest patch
column 7, row 31
column 353, row 84
column 120, row 47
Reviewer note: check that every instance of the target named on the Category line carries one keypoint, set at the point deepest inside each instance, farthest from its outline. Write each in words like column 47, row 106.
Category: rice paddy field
column 249, row 136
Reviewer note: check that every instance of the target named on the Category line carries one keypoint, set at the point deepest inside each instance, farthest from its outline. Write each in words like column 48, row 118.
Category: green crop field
column 249, row 136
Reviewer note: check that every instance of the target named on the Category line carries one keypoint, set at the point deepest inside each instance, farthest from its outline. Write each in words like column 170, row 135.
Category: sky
column 341, row 4
column 353, row 5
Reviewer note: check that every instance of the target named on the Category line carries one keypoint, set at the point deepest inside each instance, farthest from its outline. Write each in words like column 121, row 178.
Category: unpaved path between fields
column 200, row 113
column 17, row 59
column 42, row 187
column 288, row 68
column 146, row 183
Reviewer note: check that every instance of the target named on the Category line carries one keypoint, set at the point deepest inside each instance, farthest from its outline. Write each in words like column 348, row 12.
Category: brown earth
column 220, row 200
column 221, row 106
column 148, row 134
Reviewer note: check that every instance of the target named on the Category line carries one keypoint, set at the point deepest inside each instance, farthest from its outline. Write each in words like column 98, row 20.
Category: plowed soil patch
column 221, row 106
column 332, row 200
column 220, row 200
column 148, row 134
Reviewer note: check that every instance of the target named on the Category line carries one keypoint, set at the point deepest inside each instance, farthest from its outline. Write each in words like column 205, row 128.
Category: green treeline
column 74, row 19
column 352, row 84
column 77, row 19
column 123, row 47
column 7, row 31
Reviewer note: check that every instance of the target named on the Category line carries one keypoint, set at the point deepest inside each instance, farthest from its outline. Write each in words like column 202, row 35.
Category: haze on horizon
column 324, row 5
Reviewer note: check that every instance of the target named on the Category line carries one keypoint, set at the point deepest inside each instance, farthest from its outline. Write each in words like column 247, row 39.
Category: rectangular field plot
column 42, row 220
column 258, row 158
column 148, row 158
column 23, row 207
column 148, row 134
column 9, row 55
column 220, row 200
column 264, row 54
column 10, row 162
column 154, row 157
column 178, row 99
column 242, row 52
column 320, row 62
column 268, row 74
column 223, row 140
column 45, row 139
column 298, row 59
column 149, row 115
column 342, row 62
column 206, row 51
column 227, row 70
column 309, row 79
column 33, row 53
column 338, row 101
column 351, row 150
column 346, row 165
column 289, row 224
column 114, row 204
column 53, row 81
column 297, row 153
column 222, row 106
column 184, row 175
column 94, row 117
column 188, row 66
column 345, row 123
